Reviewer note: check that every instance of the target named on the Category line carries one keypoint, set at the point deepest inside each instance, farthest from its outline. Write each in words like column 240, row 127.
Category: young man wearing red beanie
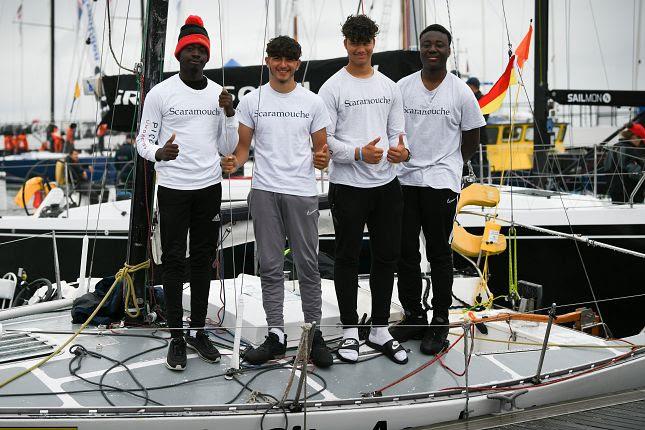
column 187, row 122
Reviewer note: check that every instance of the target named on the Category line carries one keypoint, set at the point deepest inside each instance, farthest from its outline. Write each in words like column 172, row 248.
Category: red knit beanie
column 638, row 130
column 193, row 32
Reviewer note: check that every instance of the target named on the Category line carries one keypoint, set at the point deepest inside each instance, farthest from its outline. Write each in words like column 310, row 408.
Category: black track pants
column 179, row 212
column 432, row 210
column 381, row 209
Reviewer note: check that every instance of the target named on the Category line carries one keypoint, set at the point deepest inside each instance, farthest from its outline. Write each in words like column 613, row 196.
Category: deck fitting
column 507, row 401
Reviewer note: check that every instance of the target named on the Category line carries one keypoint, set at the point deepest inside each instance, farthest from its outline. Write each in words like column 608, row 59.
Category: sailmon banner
column 123, row 97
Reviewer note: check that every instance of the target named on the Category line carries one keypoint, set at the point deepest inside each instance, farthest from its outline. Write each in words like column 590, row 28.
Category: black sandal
column 351, row 344
column 388, row 349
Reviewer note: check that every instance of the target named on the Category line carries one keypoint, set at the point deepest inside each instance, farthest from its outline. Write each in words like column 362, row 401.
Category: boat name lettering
column 588, row 98
column 384, row 100
column 127, row 97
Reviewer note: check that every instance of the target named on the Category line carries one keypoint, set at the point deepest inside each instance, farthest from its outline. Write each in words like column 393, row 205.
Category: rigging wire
column 602, row 56
column 107, row 6
column 109, row 145
column 508, row 34
column 416, row 30
column 96, row 119
column 230, row 196
column 512, row 249
column 566, row 213
column 248, row 214
column 454, row 50
column 588, row 279
column 319, row 14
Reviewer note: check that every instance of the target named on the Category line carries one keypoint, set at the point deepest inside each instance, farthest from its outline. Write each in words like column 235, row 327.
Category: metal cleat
column 507, row 401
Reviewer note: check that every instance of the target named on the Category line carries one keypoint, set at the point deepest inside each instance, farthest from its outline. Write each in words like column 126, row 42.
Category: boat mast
column 52, row 19
column 141, row 206
column 143, row 16
column 295, row 20
column 277, row 18
column 541, row 87
column 412, row 22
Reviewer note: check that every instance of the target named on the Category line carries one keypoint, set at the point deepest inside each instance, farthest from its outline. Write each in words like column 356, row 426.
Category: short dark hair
column 437, row 27
column 284, row 46
column 359, row 29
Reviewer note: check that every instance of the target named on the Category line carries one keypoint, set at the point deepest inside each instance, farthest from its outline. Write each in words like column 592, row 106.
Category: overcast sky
column 582, row 56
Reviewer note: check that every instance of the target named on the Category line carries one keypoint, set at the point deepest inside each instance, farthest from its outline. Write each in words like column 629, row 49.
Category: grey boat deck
column 204, row 384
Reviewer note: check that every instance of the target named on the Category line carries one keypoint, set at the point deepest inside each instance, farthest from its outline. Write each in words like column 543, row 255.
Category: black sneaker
column 176, row 357
column 270, row 349
column 320, row 353
column 410, row 327
column 436, row 337
column 204, row 347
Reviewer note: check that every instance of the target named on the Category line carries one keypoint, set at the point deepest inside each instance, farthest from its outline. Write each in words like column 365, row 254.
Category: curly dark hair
column 284, row 46
column 359, row 29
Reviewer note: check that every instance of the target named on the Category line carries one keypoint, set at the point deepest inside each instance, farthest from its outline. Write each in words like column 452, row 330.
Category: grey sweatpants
column 278, row 216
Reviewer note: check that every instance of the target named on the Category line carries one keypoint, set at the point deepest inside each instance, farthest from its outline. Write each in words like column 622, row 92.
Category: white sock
column 349, row 354
column 380, row 336
column 278, row 332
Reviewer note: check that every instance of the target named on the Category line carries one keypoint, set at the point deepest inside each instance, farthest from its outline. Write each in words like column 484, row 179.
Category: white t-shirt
column 434, row 121
column 361, row 109
column 283, row 124
column 201, row 128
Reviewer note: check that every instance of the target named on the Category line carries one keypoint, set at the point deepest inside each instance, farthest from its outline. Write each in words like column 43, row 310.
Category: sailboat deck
column 339, row 384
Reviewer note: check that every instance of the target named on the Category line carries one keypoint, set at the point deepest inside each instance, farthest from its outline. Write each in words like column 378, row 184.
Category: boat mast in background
column 141, row 206
column 52, row 47
column 277, row 17
column 143, row 17
column 412, row 23
column 541, row 86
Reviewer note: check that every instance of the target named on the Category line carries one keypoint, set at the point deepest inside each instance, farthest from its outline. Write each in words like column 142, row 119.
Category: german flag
column 493, row 100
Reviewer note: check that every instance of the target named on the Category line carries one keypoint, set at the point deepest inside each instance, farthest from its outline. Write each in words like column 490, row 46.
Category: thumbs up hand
column 371, row 153
column 226, row 102
column 398, row 153
column 169, row 151
column 321, row 158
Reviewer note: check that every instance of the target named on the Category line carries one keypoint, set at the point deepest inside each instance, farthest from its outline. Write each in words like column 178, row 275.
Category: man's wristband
column 360, row 154
column 409, row 155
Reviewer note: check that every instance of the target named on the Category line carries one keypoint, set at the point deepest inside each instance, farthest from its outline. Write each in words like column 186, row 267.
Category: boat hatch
column 22, row 346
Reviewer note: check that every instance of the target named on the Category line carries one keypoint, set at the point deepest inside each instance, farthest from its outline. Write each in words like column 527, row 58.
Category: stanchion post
column 537, row 379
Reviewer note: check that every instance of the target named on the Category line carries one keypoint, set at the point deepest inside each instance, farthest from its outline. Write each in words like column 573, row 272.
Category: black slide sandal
column 388, row 349
column 349, row 343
